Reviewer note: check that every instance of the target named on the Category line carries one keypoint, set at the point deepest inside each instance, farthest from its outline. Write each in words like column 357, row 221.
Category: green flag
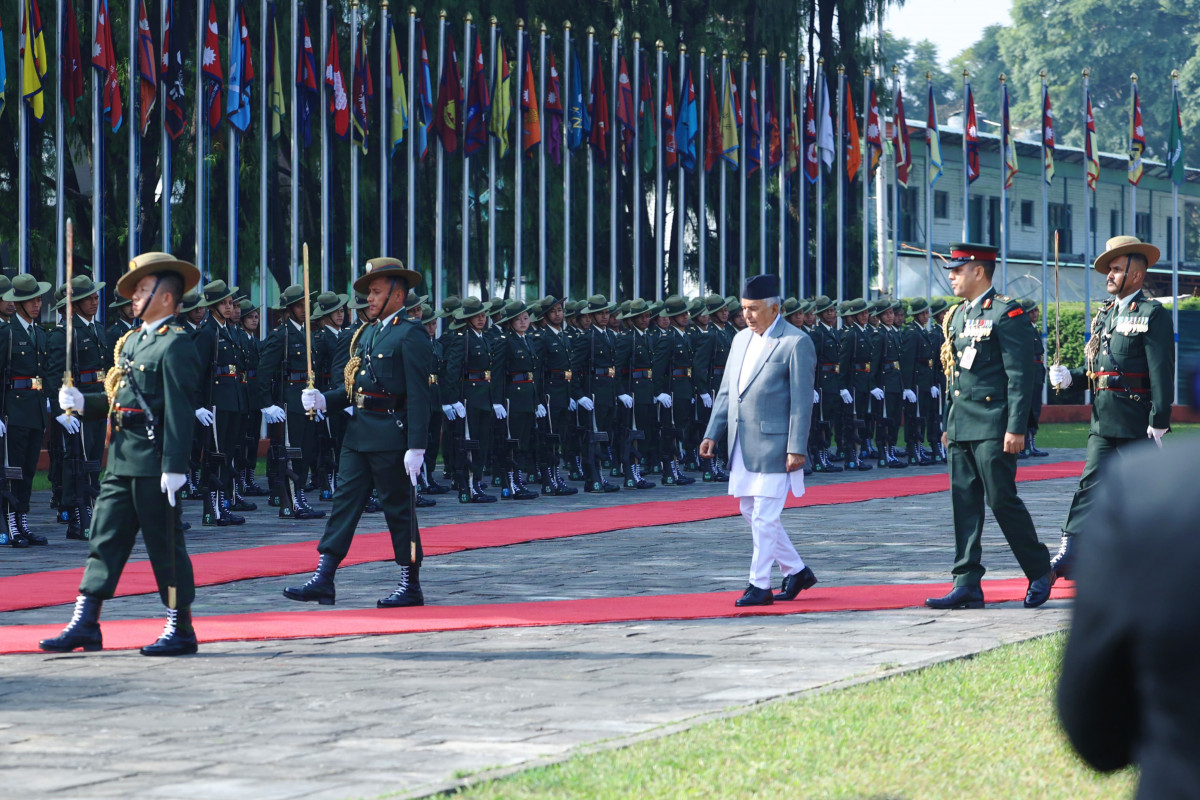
column 1175, row 146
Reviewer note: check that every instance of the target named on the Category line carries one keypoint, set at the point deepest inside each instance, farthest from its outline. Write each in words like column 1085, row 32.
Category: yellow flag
column 729, row 125
column 275, row 98
column 501, row 100
column 399, row 123
column 33, row 60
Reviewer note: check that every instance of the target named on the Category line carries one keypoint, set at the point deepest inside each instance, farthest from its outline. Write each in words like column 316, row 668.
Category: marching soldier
column 516, row 363
column 1032, row 313
column 79, row 445
column 918, row 357
column 856, row 370
column 250, row 322
column 888, row 390
column 594, row 373
column 469, row 398
column 282, row 375
column 635, row 354
column 123, row 320
column 389, row 390
column 827, row 345
column 986, row 359
column 149, row 402
column 937, row 315
column 1131, row 367
column 554, row 344
column 674, row 390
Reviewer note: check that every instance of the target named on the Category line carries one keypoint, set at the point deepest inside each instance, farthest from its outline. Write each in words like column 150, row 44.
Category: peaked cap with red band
column 964, row 253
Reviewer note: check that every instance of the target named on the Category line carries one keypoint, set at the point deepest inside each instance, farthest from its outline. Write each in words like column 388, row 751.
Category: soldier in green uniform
column 516, row 365
column 7, row 309
column 888, row 391
column 1131, row 367
column 986, row 359
column 1033, row 313
column 918, row 362
column 554, row 345
column 123, row 319
column 673, row 388
column 80, row 446
column 638, row 432
column 470, row 398
column 282, row 375
column 249, row 324
column 856, row 368
column 426, row 483
column 594, row 384
column 328, row 311
column 707, row 377
column 384, row 448
column 149, row 403
column 937, row 314
column 827, row 384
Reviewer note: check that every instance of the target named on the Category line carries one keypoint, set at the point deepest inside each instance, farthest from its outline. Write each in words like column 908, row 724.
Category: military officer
column 639, row 433
column 827, row 344
column 554, row 345
column 391, row 358
column 1033, row 313
column 470, row 398
column 673, row 387
column 856, row 368
column 918, row 357
column 594, row 384
column 123, row 320
column 149, row 403
column 80, row 446
column 250, row 323
column 282, row 375
column 1131, row 367
column 986, row 359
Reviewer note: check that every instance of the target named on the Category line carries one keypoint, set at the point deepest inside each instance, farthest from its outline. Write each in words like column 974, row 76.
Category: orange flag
column 850, row 138
column 531, row 126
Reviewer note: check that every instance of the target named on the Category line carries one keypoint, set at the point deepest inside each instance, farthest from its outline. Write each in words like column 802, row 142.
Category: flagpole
column 1176, row 244
column 801, row 179
column 565, row 75
column 660, row 224
column 201, row 124
column 723, row 226
column 355, row 45
column 702, row 150
column 264, row 146
column 613, row 174
column 882, row 196
column 60, row 225
column 1004, row 184
column 410, row 178
column 1133, row 79
column 865, row 149
column 491, row 140
column 841, row 187
column 164, row 138
column 743, row 243
column 295, row 148
column 781, row 98
column 23, row 232
column 1088, row 194
column 1045, row 215
column 232, row 159
column 680, row 196
column 764, row 154
column 894, row 284
column 326, row 178
column 590, row 256
column 966, row 229
column 439, row 207
column 819, row 211
column 518, row 195
column 928, row 195
column 135, row 122
column 637, row 204
column 543, row 244
column 464, row 269
column 385, row 142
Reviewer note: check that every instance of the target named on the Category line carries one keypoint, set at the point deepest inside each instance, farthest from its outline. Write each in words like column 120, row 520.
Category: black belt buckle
column 293, row 453
column 13, row 474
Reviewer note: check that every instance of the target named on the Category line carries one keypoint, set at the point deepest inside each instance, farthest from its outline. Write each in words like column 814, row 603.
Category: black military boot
column 911, row 451
column 638, row 481
column 226, row 513
column 523, row 490
column 680, row 478
column 433, row 487
column 23, row 527
column 893, row 461
column 192, row 487
column 320, row 586
column 212, row 512
column 75, row 528
column 708, row 474
column 253, row 489
column 1064, row 559
column 881, row 453
column 576, row 473
column 548, row 485
column 721, row 473
column 372, row 506
column 83, row 631
column 407, row 592
column 178, row 638
column 1033, row 448
column 63, row 514
column 855, row 460
column 939, row 453
column 240, row 503
column 563, row 487
column 421, row 501
column 303, row 510
column 597, row 483
column 828, row 462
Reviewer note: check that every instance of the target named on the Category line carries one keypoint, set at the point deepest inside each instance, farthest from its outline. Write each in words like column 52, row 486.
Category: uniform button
column 956, row 392
column 988, row 398
column 379, row 355
column 957, row 373
column 364, row 372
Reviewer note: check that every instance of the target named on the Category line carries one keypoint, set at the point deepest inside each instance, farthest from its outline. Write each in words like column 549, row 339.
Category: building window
column 1114, row 223
column 941, row 205
column 1060, row 222
column 909, row 198
column 1142, row 229
column 1026, row 213
column 1189, row 229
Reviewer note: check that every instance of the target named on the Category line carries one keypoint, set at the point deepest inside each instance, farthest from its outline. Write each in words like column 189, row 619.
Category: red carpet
column 38, row 589
column 134, row 633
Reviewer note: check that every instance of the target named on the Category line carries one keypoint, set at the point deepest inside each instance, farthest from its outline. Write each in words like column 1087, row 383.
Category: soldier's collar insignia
column 987, row 303
column 163, row 329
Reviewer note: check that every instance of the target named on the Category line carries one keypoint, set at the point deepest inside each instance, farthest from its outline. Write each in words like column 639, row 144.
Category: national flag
column 795, row 133
column 531, row 121
column 147, row 69
column 423, row 108
column 1137, row 139
column 335, row 79
column 475, row 129
column 211, row 69
column 1091, row 153
column 397, row 91
column 812, row 159
column 501, row 107
column 646, row 119
column 70, row 61
column 713, row 146
column 1047, row 136
column 174, row 35
column 687, row 126
column 33, row 59
column 771, row 112
column 731, row 120
column 4, row 74
column 554, row 113
column 825, row 138
column 1010, row 144
column 306, row 83
column 1175, row 164
column 903, row 147
column 753, row 137
column 241, row 74
column 934, row 141
column 625, row 113
column 670, row 150
column 971, row 131
column 579, row 122
column 850, row 137
column 104, row 59
column 598, row 109
column 362, row 89
column 274, row 83
column 874, row 133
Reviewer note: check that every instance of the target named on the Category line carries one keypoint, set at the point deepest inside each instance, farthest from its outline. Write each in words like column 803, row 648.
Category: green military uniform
column 1039, row 382
column 120, row 325
column 594, row 377
column 433, row 445
column 934, row 421
column 673, row 377
column 247, row 454
column 988, row 394
column 919, row 361
column 888, row 378
column 635, row 355
column 827, row 345
column 1131, row 366
column 856, row 367
column 468, row 379
column 517, row 366
column 706, row 382
column 554, row 351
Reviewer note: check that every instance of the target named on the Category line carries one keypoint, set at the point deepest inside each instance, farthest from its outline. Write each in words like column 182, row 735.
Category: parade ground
column 587, row 626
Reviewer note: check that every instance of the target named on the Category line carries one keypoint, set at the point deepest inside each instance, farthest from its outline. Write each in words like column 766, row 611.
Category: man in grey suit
column 769, row 375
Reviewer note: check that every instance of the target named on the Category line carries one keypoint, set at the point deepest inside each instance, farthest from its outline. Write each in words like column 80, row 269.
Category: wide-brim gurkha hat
column 637, row 307
column 938, row 305
column 494, row 306
column 384, row 267
column 674, row 306
column 247, row 306
column 514, row 309
column 414, row 300
column 214, row 292
column 470, row 307
column 155, row 263
column 59, row 298
column 1028, row 304
column 732, row 302
column 790, row 306
column 83, row 286
column 290, row 296
column 918, row 304
column 696, row 307
column 327, row 303
column 822, row 303
column 356, row 301
column 1123, row 246
column 851, row 307
column 428, row 315
column 595, row 304
column 191, row 300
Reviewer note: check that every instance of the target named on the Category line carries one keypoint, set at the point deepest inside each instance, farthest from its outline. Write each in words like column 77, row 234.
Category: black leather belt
column 605, row 372
column 479, row 375
column 26, row 383
column 638, row 374
column 830, row 369
column 91, row 376
column 520, row 377
column 862, row 366
column 297, row 376
column 373, row 401
column 129, row 417
column 559, row 375
column 681, row 372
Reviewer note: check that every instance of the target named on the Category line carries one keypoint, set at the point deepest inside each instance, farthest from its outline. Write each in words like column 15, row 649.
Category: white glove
column 204, row 417
column 846, row 398
column 1060, row 377
column 3, row 429
column 499, row 410
column 170, row 483
column 48, row 408
column 935, row 392
column 910, row 396
column 816, row 396
column 70, row 399
column 461, row 410
column 69, row 422
column 273, row 414
column 706, row 398
column 626, row 400
column 541, row 411
column 586, row 403
column 349, row 410
column 413, row 461
column 571, row 406
column 313, row 399
column 877, row 393
column 319, row 416
column 449, row 411
column 1156, row 434
column 663, row 400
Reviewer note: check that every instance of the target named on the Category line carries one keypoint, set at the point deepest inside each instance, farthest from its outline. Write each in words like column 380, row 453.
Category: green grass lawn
column 983, row 727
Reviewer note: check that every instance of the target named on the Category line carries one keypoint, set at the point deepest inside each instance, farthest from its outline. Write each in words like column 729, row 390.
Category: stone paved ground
column 365, row 716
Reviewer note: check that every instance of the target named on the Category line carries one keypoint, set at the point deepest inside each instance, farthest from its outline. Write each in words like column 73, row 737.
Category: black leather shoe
column 241, row 504
column 19, row 540
column 177, row 639
column 796, row 583
column 1039, row 590
column 959, row 597
column 38, row 539
column 480, row 497
column 408, row 591
column 82, row 632
column 435, row 488
column 372, row 506
column 421, row 501
column 320, row 586
column 755, row 596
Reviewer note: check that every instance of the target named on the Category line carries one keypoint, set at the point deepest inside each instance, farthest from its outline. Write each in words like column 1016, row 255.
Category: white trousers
column 771, row 542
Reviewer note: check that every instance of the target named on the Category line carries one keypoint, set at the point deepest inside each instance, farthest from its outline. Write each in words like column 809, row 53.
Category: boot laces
column 402, row 586
column 77, row 615
column 170, row 628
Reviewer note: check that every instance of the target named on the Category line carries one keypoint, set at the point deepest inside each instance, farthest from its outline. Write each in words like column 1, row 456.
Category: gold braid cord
column 947, row 342
column 1092, row 348
column 353, row 364
column 112, row 381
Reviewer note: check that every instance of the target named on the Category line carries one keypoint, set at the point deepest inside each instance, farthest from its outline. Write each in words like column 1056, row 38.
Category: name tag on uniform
column 968, row 357
column 1130, row 326
column 977, row 329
